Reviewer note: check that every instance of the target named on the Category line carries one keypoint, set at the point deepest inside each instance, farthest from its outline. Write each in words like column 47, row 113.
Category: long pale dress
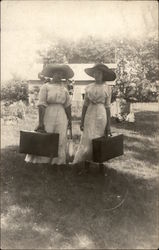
column 97, row 98
column 55, row 98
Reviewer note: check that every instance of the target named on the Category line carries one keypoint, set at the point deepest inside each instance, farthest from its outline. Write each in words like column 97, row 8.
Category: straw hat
column 108, row 74
column 50, row 69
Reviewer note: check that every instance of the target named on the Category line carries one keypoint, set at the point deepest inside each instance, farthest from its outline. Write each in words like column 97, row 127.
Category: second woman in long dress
column 95, row 121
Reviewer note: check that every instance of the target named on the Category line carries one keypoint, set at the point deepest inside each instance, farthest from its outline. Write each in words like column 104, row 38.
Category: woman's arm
column 41, row 115
column 42, row 104
column 69, row 117
column 107, row 107
column 84, row 109
column 108, row 129
column 41, row 126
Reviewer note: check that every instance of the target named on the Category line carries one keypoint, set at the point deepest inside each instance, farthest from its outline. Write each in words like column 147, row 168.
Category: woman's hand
column 108, row 131
column 40, row 128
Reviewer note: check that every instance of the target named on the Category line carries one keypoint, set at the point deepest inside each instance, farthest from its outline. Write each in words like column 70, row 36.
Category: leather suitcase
column 40, row 144
column 106, row 148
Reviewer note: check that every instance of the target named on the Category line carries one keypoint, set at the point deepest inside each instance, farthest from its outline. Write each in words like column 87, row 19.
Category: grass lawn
column 55, row 208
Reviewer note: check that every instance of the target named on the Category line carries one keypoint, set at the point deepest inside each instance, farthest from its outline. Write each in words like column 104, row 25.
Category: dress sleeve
column 43, row 96
column 67, row 102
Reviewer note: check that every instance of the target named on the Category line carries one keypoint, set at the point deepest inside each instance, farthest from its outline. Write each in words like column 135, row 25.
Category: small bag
column 106, row 148
column 40, row 144
column 130, row 117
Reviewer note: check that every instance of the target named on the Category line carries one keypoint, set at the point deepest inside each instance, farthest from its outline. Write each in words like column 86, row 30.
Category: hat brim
column 108, row 74
column 51, row 69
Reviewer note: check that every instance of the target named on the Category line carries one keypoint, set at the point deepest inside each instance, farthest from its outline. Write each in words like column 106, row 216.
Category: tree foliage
column 86, row 50
column 137, row 70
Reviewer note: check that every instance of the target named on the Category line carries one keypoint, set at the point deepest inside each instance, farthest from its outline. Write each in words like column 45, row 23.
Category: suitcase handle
column 40, row 130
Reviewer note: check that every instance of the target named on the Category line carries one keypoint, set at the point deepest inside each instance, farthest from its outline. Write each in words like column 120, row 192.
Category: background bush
column 15, row 90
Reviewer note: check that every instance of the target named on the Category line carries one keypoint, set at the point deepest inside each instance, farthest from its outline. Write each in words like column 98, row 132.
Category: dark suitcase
column 40, row 144
column 106, row 148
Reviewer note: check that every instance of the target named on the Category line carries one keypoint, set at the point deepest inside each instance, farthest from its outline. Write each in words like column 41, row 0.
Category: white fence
column 147, row 106
column 115, row 107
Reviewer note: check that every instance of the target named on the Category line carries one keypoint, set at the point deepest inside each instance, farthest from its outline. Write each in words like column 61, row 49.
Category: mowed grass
column 55, row 208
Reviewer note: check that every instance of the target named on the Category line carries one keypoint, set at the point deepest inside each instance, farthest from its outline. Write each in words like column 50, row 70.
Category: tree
column 86, row 50
column 137, row 68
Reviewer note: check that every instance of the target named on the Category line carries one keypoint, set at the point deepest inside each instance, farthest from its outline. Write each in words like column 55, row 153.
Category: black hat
column 108, row 74
column 50, row 69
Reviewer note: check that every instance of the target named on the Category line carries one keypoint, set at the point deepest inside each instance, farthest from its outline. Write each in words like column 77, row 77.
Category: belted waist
column 95, row 103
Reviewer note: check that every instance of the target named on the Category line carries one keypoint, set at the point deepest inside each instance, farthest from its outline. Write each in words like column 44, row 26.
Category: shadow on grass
column 143, row 149
column 146, row 123
column 75, row 209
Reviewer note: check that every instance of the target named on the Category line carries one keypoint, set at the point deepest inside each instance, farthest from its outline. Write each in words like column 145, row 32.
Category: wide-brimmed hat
column 108, row 74
column 50, row 69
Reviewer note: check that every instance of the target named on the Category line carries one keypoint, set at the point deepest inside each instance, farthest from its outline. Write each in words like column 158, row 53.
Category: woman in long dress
column 54, row 112
column 95, row 121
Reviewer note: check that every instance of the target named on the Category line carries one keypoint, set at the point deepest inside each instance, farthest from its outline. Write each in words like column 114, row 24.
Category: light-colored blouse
column 53, row 93
column 97, row 93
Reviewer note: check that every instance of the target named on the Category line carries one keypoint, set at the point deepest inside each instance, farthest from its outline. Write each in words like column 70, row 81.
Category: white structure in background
column 80, row 77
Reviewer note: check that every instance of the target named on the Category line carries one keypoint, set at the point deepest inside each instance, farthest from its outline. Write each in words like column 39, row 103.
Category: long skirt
column 94, row 127
column 55, row 121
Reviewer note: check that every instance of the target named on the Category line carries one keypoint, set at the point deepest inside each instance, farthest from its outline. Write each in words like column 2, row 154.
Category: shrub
column 14, row 91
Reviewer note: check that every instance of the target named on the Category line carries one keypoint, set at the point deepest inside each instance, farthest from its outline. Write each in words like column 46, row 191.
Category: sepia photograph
column 79, row 124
